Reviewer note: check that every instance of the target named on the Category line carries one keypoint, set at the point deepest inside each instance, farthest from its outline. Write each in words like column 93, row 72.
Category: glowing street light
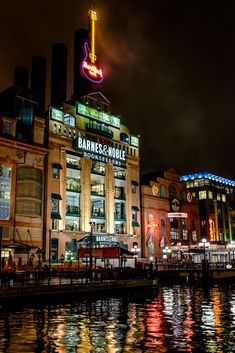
column 204, row 244
column 166, row 251
column 231, row 246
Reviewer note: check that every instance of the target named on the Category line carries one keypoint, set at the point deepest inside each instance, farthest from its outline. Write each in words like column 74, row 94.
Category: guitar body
column 88, row 68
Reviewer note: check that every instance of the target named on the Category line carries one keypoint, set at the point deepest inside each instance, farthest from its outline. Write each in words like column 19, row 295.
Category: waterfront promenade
column 27, row 284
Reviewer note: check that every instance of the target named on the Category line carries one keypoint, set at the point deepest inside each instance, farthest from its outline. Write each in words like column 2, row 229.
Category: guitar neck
column 92, row 15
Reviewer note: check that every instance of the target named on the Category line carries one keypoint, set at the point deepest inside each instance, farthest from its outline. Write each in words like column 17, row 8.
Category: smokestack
column 81, row 86
column 21, row 77
column 38, row 81
column 58, row 74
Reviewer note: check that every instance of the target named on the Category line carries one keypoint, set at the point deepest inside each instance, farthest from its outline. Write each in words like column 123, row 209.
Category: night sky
column 169, row 69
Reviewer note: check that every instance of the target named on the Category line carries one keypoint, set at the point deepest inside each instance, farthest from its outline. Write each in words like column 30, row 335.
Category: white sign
column 100, row 149
column 177, row 215
column 106, row 238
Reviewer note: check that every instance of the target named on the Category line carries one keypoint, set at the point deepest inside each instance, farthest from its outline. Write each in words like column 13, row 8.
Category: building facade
column 92, row 179
column 22, row 162
column 216, row 205
column 170, row 217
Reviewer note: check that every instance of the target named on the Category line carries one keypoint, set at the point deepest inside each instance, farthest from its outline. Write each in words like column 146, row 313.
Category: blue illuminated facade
column 216, row 196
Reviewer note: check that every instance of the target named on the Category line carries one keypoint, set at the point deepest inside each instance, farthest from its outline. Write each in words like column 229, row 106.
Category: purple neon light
column 86, row 50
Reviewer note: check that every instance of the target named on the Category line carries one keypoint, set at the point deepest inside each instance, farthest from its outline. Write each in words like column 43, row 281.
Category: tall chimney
column 58, row 74
column 38, row 81
column 21, row 76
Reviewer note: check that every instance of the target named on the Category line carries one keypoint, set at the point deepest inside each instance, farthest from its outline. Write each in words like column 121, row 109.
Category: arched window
column 172, row 191
column 162, row 191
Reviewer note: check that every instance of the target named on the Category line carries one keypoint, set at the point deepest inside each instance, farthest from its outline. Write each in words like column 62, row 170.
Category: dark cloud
column 169, row 66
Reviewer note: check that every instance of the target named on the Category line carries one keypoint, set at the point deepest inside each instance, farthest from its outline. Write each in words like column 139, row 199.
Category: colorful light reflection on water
column 173, row 319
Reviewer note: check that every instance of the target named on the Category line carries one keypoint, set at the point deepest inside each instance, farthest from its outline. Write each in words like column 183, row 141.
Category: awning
column 55, row 215
column 57, row 165
column 135, row 224
column 18, row 246
column 135, row 208
column 56, row 196
column 134, row 182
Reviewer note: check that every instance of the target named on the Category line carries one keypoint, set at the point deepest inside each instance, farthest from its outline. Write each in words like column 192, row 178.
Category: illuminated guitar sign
column 88, row 67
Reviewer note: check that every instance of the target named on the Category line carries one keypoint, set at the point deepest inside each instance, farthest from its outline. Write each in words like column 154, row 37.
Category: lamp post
column 91, row 244
column 204, row 244
column 231, row 246
column 166, row 251
column 49, row 262
column 62, row 258
column 135, row 251
column 39, row 253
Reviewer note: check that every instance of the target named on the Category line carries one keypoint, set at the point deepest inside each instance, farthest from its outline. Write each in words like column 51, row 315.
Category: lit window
column 162, row 191
column 223, row 198
column 218, row 197
column 210, row 195
column 202, row 195
column 69, row 120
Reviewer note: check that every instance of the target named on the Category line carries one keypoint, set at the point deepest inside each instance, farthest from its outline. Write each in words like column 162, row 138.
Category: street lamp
column 166, row 251
column 62, row 258
column 136, row 251
column 204, row 244
column 231, row 246
column 39, row 253
column 91, row 244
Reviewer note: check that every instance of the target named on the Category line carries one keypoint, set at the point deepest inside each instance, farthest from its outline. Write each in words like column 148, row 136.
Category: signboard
column 177, row 215
column 100, row 152
column 98, row 115
column 56, row 114
column 5, row 191
column 89, row 67
column 134, row 141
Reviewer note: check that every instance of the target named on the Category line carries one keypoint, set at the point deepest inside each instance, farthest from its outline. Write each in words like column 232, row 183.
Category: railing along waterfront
column 39, row 278
column 74, row 277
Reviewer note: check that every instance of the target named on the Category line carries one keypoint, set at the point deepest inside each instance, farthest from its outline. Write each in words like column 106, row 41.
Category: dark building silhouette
column 38, row 82
column 81, row 85
column 21, row 76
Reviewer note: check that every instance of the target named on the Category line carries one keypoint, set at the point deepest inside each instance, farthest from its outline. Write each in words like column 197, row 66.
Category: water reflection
column 176, row 319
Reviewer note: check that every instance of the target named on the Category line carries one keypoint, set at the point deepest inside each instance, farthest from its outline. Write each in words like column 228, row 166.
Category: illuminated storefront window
column 98, row 168
column 210, row 195
column 184, row 229
column 202, row 195
column 174, row 229
column 119, row 173
column 119, row 192
column 5, row 191
column 97, row 189
column 97, row 208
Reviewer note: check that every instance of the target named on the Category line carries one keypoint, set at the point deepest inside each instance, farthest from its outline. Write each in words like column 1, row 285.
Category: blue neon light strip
column 205, row 175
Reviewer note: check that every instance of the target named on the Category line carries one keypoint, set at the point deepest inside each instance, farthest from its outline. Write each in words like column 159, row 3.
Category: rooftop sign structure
column 98, row 115
column 89, row 68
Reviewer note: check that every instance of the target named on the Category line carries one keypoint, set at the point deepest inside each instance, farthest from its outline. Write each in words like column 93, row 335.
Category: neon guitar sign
column 88, row 67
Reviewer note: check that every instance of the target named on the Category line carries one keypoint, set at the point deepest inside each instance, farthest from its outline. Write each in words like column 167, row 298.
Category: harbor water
column 171, row 318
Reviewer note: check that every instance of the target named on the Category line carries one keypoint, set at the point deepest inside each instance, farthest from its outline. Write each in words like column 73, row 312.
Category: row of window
column 203, row 195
